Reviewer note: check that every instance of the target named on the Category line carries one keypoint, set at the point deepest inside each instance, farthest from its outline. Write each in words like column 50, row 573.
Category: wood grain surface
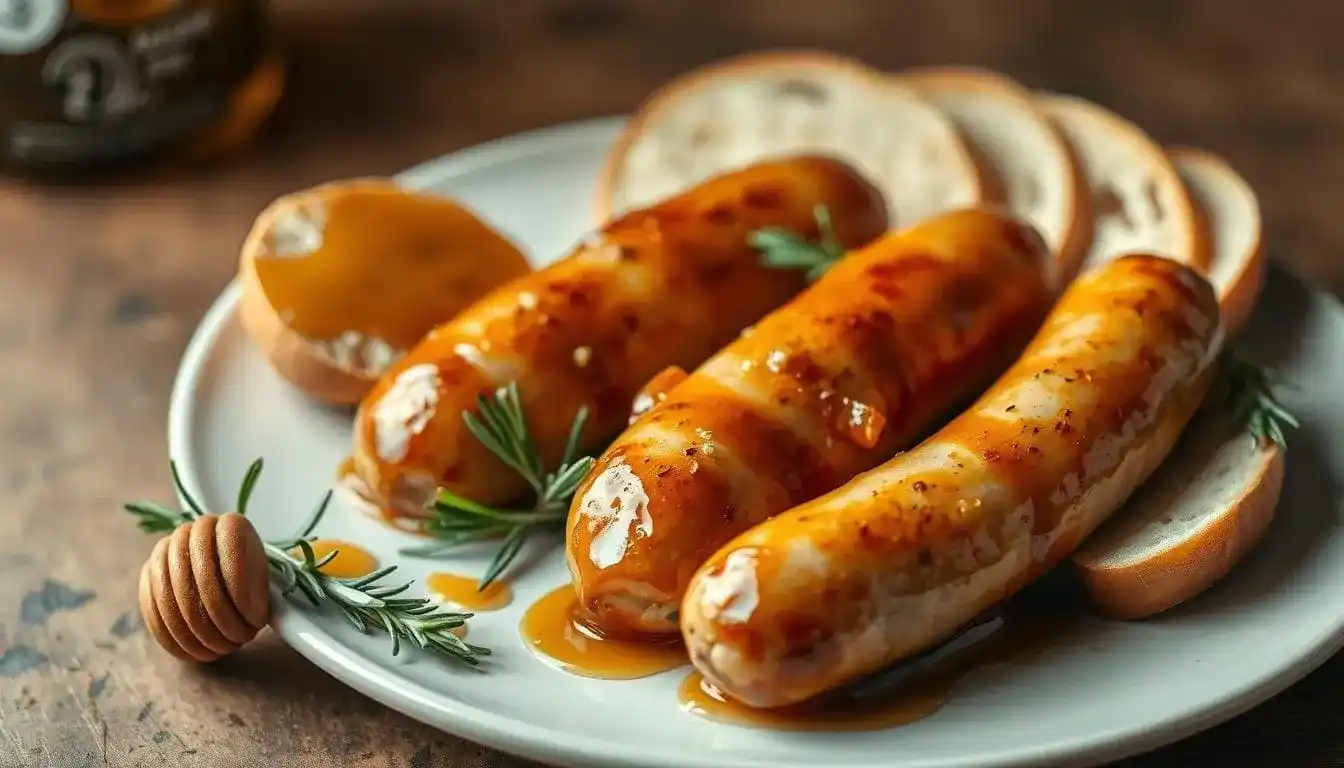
column 101, row 284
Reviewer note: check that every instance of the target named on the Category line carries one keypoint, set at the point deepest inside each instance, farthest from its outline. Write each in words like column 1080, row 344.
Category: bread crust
column 1149, row 585
column 1239, row 296
column 1196, row 250
column 297, row 359
column 670, row 93
column 1078, row 237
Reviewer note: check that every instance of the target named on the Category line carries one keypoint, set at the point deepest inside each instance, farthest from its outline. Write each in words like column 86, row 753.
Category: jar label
column 86, row 84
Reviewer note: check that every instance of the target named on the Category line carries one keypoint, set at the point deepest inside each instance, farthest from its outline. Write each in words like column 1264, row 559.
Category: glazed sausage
column 858, row 366
column 667, row 285
column 901, row 557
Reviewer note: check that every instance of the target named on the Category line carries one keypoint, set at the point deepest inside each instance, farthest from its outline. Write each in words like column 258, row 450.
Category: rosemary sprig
column 364, row 601
column 1254, row 406
column 501, row 425
column 784, row 249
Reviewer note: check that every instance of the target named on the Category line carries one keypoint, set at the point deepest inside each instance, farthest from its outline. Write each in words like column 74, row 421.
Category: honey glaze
column 351, row 561
column 907, row 692
column 554, row 631
column 462, row 592
column 375, row 267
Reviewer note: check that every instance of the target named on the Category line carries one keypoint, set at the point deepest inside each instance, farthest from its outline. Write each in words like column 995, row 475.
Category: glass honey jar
column 88, row 84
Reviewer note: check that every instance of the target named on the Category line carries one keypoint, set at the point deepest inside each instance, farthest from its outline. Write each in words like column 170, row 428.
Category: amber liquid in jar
column 90, row 84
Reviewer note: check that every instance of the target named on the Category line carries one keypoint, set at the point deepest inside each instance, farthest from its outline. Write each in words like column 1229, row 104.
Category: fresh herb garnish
column 365, row 602
column 501, row 426
column 1251, row 395
column 785, row 249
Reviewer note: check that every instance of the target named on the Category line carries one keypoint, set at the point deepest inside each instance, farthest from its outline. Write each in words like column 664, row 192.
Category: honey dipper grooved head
column 203, row 590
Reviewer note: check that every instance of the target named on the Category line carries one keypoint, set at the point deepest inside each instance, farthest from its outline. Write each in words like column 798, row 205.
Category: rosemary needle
column 365, row 601
column 784, row 249
column 1250, row 392
column 500, row 424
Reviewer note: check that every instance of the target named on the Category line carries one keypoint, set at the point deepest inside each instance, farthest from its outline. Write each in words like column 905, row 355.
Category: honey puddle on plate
column 699, row 697
column 903, row 694
column 351, row 561
column 553, row 629
column 462, row 592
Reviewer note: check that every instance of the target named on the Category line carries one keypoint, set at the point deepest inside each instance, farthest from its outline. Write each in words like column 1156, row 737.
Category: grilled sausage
column 667, row 285
column 857, row 367
column 902, row 556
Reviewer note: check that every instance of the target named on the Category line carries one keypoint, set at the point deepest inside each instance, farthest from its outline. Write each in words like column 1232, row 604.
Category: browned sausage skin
column 667, row 285
column 901, row 557
column 858, row 366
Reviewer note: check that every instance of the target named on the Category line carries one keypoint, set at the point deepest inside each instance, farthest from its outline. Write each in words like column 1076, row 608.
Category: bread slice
column 1232, row 213
column 341, row 279
column 740, row 111
column 1138, row 201
column 1196, row 518
column 1032, row 170
column 1214, row 497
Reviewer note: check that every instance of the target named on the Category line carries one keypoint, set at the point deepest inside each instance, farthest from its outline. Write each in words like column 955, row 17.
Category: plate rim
column 550, row 745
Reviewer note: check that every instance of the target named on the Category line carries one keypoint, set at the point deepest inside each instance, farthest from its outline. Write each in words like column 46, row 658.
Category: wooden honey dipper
column 205, row 588
column 204, row 591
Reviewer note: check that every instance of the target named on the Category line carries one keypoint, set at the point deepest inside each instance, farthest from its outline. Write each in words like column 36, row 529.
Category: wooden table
column 101, row 284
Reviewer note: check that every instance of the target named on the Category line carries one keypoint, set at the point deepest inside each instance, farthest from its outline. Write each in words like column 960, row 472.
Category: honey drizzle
column 553, row 631
column 461, row 591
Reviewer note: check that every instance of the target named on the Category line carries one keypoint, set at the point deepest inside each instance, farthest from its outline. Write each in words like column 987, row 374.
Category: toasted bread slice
column 743, row 110
column 1214, row 497
column 1138, row 200
column 1199, row 514
column 1232, row 213
column 341, row 279
column 1029, row 165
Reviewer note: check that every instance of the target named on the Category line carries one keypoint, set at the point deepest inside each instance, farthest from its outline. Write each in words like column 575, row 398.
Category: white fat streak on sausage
column 616, row 508
column 711, row 455
column 730, row 592
column 404, row 410
column 605, row 507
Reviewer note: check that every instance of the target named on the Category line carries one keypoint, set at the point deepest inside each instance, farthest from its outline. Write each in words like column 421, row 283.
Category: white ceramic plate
column 1111, row 690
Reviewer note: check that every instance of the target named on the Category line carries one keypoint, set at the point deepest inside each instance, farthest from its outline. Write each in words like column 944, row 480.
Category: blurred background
column 103, row 279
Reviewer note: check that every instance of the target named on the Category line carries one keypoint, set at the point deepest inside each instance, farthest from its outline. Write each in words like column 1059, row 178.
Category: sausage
column 666, row 285
column 904, row 555
column 858, row 366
